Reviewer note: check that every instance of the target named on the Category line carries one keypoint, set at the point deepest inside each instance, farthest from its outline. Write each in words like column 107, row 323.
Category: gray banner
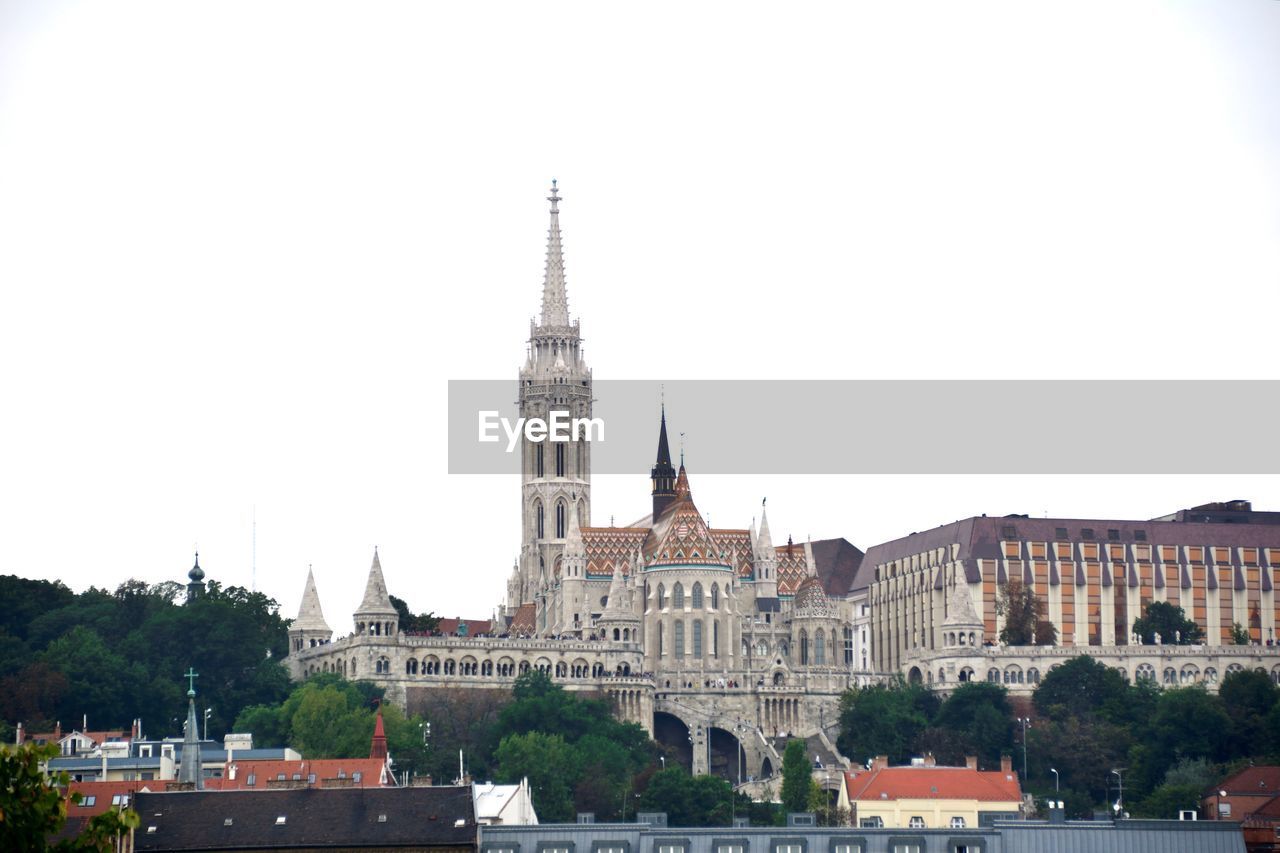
column 900, row 427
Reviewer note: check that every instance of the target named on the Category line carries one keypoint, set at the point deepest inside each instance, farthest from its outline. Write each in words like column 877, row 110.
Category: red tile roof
column 370, row 770
column 933, row 783
column 1251, row 781
column 102, row 792
column 525, row 620
column 474, row 626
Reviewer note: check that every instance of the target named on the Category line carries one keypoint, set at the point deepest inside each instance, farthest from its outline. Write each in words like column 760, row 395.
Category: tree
column 1239, row 635
column 1079, row 687
column 796, row 776
column 692, row 800
column 1024, row 616
column 1165, row 802
column 1248, row 696
column 1188, row 723
column 1170, row 622
column 978, row 712
column 551, row 766
column 884, row 719
column 422, row 623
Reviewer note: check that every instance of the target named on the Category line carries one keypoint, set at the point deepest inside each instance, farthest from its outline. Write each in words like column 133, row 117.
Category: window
column 251, row 780
column 916, row 822
column 282, row 820
column 1060, row 533
column 541, row 522
column 556, row 847
column 1086, row 533
column 560, row 521
column 669, row 846
column 820, row 649
column 957, row 822
column 662, row 597
column 355, row 777
column 679, row 639
column 311, row 778
column 1140, row 535
column 697, row 638
column 539, row 462
column 610, row 847
column 715, row 596
column 677, row 595
column 697, row 596
column 907, row 847
column 732, row 847
column 1008, row 532
column 847, row 846
column 120, row 800
column 788, row 848
column 85, row 802
column 1113, row 535
column 560, row 460
column 871, row 822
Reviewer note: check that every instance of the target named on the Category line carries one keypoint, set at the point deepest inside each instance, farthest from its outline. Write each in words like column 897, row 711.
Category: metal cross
column 191, row 675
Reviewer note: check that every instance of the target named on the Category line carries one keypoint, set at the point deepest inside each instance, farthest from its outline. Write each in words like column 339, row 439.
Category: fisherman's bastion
column 721, row 641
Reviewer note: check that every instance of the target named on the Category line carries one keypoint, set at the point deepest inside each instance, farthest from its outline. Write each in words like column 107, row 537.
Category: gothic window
column 677, row 596
column 697, row 638
column 661, row 648
column 697, row 596
column 848, row 646
column 560, row 520
column 662, row 596
column 715, row 639
column 539, row 461
column 541, row 520
column 820, row 648
column 560, row 459
column 804, row 648
column 715, row 596
column 411, row 666
column 679, row 630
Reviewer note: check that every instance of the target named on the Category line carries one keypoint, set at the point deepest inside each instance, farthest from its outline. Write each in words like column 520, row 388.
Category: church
column 718, row 641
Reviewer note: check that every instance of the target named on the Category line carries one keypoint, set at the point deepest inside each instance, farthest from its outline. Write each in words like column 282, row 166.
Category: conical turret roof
column 310, row 616
column 376, row 600
column 960, row 610
column 681, row 535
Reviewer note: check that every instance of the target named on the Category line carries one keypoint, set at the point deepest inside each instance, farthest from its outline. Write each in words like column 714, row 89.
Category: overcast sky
column 244, row 246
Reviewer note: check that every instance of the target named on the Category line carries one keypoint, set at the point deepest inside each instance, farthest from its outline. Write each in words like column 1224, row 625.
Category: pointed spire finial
column 681, row 450
column 555, row 302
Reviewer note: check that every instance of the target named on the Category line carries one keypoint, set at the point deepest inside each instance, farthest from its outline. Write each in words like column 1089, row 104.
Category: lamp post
column 1120, row 798
column 1055, row 780
column 207, row 713
column 1026, row 722
column 663, row 759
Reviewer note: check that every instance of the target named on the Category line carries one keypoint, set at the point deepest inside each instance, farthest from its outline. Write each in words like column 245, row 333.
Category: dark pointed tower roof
column 195, row 583
column 378, row 748
column 663, row 475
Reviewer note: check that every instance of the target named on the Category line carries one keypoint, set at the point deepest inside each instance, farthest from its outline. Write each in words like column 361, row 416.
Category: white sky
column 243, row 246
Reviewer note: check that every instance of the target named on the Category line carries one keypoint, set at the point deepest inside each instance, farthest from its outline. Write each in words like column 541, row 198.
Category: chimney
column 20, row 733
column 880, row 762
column 1057, row 814
column 1006, row 764
column 57, row 731
column 971, row 761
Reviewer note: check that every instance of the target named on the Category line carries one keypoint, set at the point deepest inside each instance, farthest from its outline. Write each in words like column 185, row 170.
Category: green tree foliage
column 1170, row 622
column 692, row 800
column 1248, row 697
column 1024, row 616
column 33, row 807
column 826, row 807
column 591, row 759
column 1188, row 722
column 978, row 712
column 884, row 720
column 1166, row 801
column 1081, row 687
column 1239, row 635
column 796, row 777
column 116, row 656
column 421, row 623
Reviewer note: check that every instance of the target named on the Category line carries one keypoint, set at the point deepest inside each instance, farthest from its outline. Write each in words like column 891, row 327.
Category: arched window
column 560, row 459
column 679, row 642
column 411, row 666
column 1033, row 676
column 820, row 648
column 560, row 519
column 848, row 646
column 1170, row 675
column 993, row 675
column 662, row 596
column 486, row 668
column 804, row 648
column 715, row 596
column 697, row 596
column 542, row 521
column 1146, row 672
column 562, row 669
column 715, row 639
column 697, row 638
column 677, row 595
column 450, row 667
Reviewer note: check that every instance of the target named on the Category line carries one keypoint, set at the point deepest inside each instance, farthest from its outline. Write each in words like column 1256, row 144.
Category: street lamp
column 207, row 713
column 1055, row 780
column 1119, row 807
column 1026, row 722
column 663, row 759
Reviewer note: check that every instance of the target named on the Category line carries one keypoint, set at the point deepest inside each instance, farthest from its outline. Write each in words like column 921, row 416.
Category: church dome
column 811, row 601
column 196, row 574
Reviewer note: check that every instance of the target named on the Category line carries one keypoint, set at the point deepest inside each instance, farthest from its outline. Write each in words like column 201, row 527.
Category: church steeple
column 195, row 585
column 555, row 301
column 191, row 770
column 663, row 475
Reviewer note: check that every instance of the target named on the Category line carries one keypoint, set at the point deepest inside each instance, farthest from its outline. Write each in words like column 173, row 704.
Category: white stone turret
column 575, row 608
column 309, row 629
column 766, row 560
column 376, row 615
column 963, row 626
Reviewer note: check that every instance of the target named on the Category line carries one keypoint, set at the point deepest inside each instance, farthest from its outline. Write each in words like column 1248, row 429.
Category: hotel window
column 1086, row 533
column 1009, row 532
column 1140, row 535
column 1060, row 533
column 1113, row 535
column 556, row 847
column 907, row 847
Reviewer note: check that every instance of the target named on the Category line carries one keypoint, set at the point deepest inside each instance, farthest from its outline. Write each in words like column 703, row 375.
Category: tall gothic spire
column 191, row 769
column 663, row 475
column 310, row 616
column 555, row 301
